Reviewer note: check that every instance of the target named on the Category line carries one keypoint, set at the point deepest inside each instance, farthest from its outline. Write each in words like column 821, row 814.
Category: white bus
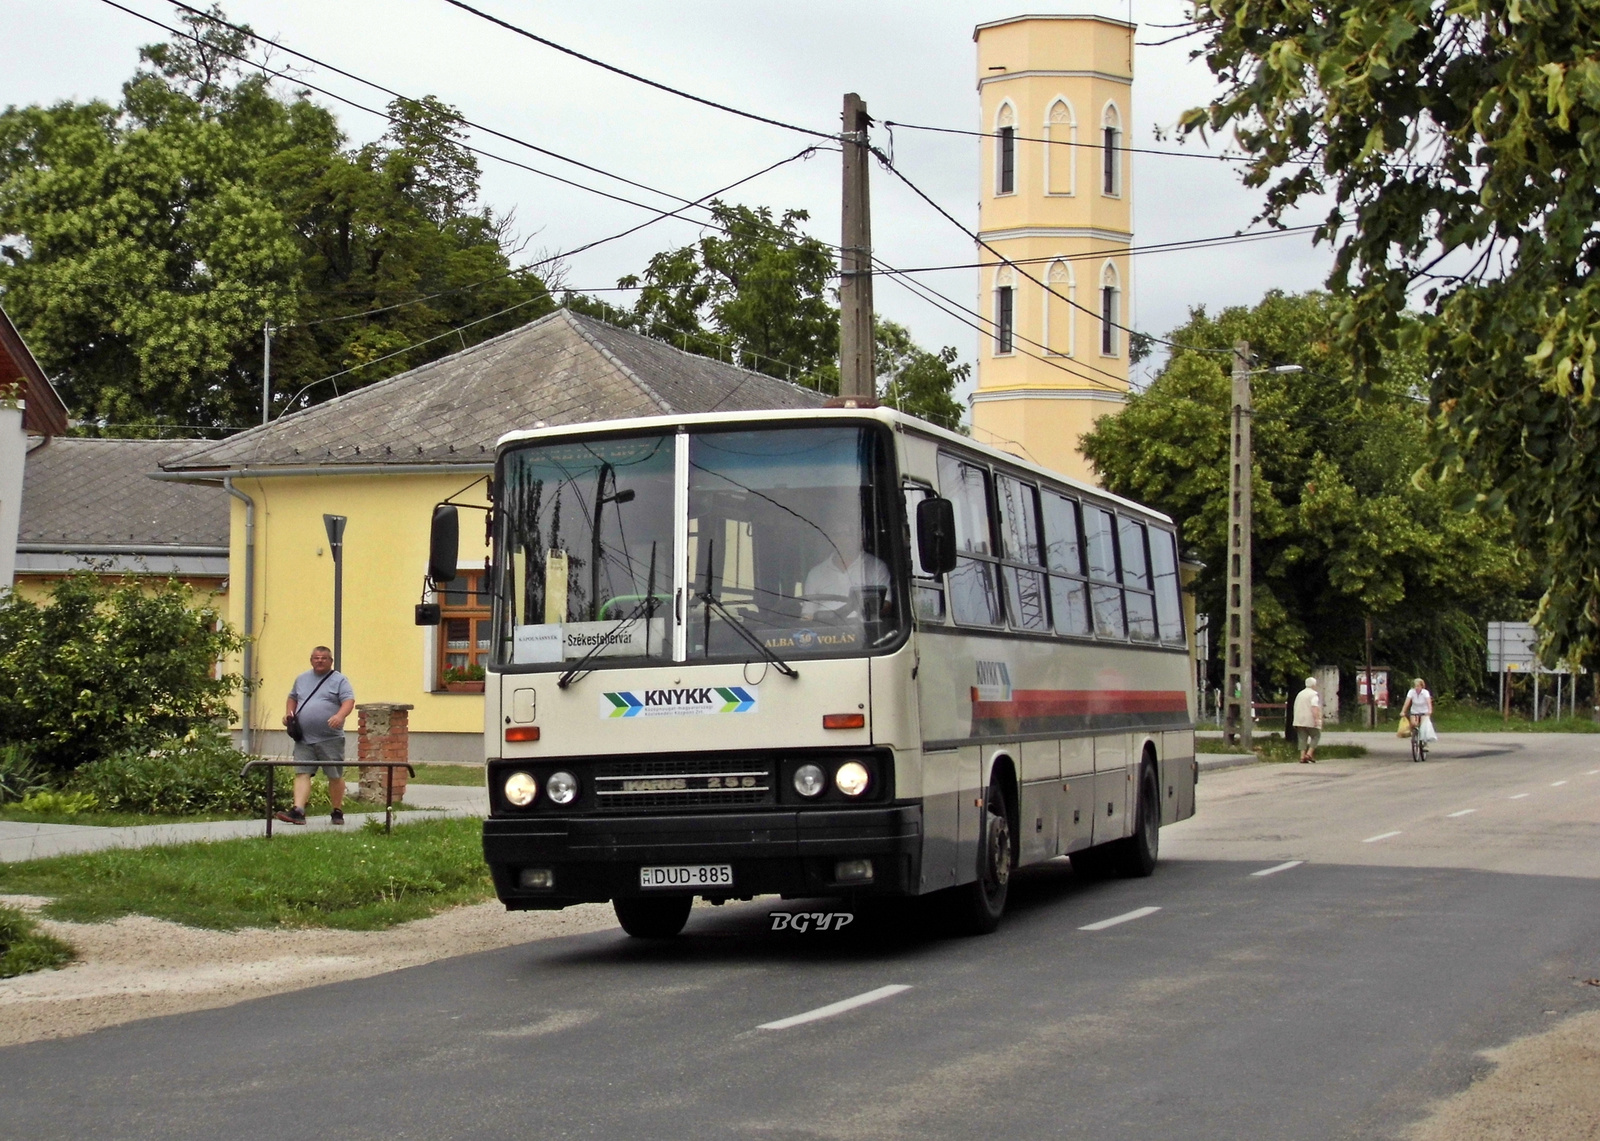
column 811, row 653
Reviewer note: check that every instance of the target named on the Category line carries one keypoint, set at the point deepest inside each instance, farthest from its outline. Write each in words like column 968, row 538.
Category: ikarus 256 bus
column 833, row 652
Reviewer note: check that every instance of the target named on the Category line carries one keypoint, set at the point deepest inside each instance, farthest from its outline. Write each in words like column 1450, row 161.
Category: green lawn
column 1276, row 749
column 449, row 774
column 358, row 880
column 24, row 948
column 1472, row 720
column 318, row 807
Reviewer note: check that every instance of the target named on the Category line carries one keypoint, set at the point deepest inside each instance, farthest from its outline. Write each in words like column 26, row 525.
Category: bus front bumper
column 772, row 852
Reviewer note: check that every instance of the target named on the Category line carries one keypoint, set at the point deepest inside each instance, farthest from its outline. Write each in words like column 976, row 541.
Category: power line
column 639, row 78
column 920, row 193
column 1154, row 248
column 1060, row 142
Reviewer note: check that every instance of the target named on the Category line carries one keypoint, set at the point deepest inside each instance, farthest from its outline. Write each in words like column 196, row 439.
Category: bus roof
column 897, row 420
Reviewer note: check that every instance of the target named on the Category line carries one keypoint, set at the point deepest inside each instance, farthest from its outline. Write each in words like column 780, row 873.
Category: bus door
column 1111, row 787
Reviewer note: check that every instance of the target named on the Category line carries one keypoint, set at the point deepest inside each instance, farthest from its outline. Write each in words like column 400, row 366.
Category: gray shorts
column 1308, row 737
column 329, row 755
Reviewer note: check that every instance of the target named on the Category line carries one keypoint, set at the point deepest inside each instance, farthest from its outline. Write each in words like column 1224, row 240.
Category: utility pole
column 266, row 370
column 1239, row 686
column 856, row 374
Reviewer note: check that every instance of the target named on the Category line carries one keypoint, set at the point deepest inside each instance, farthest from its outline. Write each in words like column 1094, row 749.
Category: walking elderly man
column 1308, row 721
column 320, row 701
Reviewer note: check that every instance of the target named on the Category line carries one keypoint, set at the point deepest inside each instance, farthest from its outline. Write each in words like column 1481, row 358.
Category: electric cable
column 1131, row 251
column 1060, row 142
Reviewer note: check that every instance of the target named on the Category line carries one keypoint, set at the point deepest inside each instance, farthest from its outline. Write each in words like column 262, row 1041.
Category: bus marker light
column 522, row 733
column 852, row 778
column 844, row 720
column 521, row 789
column 808, row 780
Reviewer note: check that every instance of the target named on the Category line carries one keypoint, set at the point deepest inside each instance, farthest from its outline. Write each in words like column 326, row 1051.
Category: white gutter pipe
column 249, row 604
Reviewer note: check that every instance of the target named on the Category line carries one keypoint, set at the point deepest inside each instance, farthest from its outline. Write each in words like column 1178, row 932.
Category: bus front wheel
column 977, row 907
column 1136, row 856
column 653, row 918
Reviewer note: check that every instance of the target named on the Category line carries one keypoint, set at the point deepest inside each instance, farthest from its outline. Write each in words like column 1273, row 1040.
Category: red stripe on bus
column 1081, row 702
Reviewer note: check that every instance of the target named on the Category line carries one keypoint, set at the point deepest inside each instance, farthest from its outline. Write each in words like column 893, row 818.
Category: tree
column 143, row 245
column 105, row 667
column 915, row 380
column 1343, row 527
column 1461, row 145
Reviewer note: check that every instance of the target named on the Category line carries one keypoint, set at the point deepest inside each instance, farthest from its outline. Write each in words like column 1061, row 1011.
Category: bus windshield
column 794, row 536
column 794, row 533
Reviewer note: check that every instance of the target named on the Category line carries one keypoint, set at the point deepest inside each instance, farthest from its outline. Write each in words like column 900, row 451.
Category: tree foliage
column 104, row 667
column 143, row 245
column 1344, row 528
column 1461, row 146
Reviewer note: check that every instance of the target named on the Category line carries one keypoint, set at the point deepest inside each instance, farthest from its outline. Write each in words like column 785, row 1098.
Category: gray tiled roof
column 79, row 493
column 564, row 368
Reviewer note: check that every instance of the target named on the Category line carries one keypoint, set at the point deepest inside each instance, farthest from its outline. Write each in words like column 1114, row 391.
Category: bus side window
column 1137, row 596
column 1019, row 548
column 927, row 594
column 974, row 593
column 1100, row 533
column 1169, row 607
column 1069, row 595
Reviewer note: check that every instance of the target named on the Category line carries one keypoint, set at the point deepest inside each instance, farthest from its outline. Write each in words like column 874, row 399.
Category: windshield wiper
column 739, row 628
column 577, row 671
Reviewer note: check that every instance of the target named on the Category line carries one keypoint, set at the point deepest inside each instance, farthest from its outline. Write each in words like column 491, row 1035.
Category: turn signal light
column 522, row 733
column 844, row 720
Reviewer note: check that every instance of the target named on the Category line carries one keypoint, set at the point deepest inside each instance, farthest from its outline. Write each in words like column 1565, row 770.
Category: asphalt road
column 1439, row 909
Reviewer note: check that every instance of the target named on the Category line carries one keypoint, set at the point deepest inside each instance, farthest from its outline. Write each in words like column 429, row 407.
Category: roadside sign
column 1380, row 682
column 1512, row 649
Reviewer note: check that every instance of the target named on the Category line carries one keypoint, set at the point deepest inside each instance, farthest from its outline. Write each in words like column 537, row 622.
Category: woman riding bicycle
column 1418, row 707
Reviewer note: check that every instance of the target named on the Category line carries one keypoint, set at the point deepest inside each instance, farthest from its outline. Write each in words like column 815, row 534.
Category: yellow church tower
column 1056, row 97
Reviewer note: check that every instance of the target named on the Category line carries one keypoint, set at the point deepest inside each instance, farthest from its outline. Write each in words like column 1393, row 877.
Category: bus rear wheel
column 653, row 918
column 976, row 907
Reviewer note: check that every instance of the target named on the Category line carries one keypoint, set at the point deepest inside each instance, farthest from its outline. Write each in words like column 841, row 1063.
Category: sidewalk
column 22, row 841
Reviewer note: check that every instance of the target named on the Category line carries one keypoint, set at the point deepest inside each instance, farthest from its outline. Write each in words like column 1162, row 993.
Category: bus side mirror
column 444, row 543
column 936, row 536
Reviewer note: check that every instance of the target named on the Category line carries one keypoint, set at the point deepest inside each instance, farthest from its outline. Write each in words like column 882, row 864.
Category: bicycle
column 1419, row 747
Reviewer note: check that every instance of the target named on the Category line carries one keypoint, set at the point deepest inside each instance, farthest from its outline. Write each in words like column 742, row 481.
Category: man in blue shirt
column 321, row 699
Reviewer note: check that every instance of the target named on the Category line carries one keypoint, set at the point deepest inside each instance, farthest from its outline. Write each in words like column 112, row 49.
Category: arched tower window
column 1110, row 310
column 1005, row 311
column 1005, row 149
column 1111, row 151
column 1060, row 153
column 1058, row 309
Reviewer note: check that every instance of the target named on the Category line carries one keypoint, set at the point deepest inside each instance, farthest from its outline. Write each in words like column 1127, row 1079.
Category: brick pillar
column 385, row 735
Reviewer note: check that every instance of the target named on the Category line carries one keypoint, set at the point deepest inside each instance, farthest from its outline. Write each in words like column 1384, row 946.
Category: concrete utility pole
column 856, row 373
column 266, row 370
column 1238, row 690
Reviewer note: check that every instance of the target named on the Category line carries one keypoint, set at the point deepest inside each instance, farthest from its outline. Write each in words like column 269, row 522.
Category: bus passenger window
column 974, row 593
column 1069, row 596
column 1169, row 609
column 1099, row 529
column 1140, row 602
column 1019, row 548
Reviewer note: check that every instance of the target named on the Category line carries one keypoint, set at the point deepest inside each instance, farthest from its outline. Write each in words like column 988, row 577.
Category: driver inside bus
column 834, row 587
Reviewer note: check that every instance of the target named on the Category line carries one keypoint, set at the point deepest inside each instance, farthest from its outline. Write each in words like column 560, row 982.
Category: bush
column 24, row 948
column 19, row 773
column 106, row 667
column 48, row 803
column 179, row 778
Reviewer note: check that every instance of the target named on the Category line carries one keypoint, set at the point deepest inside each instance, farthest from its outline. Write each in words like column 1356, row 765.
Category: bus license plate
column 687, row 875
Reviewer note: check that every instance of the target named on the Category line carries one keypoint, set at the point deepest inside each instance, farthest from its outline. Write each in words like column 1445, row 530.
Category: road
column 1413, row 916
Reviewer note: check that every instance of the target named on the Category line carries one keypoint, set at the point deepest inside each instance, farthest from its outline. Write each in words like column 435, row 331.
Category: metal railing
column 272, row 783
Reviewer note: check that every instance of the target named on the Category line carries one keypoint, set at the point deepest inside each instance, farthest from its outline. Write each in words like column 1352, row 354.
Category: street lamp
column 335, row 527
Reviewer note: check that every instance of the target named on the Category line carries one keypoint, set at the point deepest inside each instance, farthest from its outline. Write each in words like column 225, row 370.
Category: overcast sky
column 911, row 61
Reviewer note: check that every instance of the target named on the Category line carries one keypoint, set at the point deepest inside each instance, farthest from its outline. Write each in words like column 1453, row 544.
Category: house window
column 1005, row 308
column 464, row 627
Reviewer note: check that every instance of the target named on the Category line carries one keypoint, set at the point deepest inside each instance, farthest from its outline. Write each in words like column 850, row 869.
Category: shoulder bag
column 292, row 725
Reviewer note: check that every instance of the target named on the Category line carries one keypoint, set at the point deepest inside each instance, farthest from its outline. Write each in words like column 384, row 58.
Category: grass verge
column 1278, row 751
column 96, row 819
column 24, row 948
column 355, row 881
column 449, row 774
column 1485, row 721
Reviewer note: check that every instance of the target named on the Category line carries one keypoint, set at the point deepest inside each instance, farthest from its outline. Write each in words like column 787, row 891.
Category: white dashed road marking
column 1519, row 796
column 1463, row 812
column 835, row 1007
column 1138, row 913
column 1592, row 772
column 1278, row 868
column 1557, row 783
column 1379, row 836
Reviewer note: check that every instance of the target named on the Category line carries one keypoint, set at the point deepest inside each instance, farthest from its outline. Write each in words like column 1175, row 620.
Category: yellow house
column 1056, row 200
column 382, row 457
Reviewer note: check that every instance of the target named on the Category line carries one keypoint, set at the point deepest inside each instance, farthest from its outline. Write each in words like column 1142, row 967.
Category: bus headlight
column 808, row 780
column 562, row 788
column 852, row 778
column 521, row 789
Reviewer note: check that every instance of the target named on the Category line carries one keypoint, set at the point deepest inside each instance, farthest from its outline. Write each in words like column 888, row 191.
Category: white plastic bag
column 1425, row 732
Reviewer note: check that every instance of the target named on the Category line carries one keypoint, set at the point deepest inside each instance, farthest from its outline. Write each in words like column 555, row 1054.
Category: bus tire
column 653, row 918
column 1136, row 856
column 976, row 908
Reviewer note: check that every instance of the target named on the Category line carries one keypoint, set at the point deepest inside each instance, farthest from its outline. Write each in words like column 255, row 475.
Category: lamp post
column 335, row 526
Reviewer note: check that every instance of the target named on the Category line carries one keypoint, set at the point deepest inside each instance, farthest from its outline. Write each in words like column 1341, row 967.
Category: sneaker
column 336, row 816
column 291, row 816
